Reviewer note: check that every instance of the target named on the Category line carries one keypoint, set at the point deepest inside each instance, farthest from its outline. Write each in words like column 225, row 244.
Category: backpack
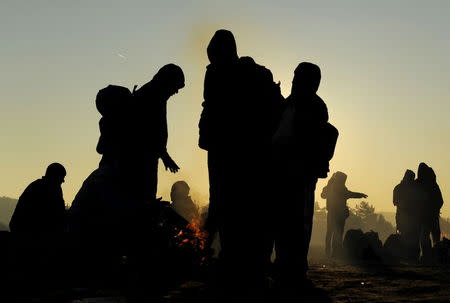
column 110, row 102
column 325, row 149
column 111, row 99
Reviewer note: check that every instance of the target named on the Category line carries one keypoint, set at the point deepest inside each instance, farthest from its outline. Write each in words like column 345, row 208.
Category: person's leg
column 310, row 187
column 338, row 235
column 290, row 230
column 328, row 237
column 425, row 242
column 436, row 230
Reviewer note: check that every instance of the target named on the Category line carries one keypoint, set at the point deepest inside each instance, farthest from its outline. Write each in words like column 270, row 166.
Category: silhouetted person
column 236, row 126
column 408, row 197
column 337, row 194
column 182, row 202
column 403, row 195
column 40, row 208
column 145, row 137
column 303, row 145
column 429, row 209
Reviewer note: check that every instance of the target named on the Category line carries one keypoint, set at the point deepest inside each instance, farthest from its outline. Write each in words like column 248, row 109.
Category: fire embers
column 193, row 238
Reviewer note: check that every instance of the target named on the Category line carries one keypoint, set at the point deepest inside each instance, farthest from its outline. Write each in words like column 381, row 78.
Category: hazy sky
column 385, row 78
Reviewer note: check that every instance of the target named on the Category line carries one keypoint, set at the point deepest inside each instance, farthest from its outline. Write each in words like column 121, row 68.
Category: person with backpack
column 303, row 146
column 337, row 194
column 236, row 125
column 429, row 210
column 402, row 199
column 133, row 131
column 145, row 136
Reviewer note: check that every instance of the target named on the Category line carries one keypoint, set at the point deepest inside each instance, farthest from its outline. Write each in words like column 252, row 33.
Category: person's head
column 55, row 173
column 179, row 189
column 409, row 176
column 339, row 178
column 169, row 79
column 423, row 172
column 222, row 48
column 306, row 79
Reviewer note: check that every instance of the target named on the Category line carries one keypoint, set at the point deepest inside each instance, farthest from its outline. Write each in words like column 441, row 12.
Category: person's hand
column 364, row 195
column 170, row 164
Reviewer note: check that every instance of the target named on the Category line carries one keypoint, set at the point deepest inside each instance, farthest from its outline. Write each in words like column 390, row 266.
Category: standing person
column 337, row 194
column 145, row 136
column 429, row 209
column 41, row 208
column 303, row 146
column 408, row 197
column 435, row 206
column 402, row 196
column 236, row 126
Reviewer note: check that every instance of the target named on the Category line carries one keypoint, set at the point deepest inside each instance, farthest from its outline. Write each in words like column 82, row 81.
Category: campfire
column 192, row 237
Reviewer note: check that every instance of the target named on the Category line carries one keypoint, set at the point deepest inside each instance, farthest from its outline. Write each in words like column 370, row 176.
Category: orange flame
column 193, row 237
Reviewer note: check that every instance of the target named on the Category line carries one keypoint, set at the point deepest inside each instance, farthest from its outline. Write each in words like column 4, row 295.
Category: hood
column 409, row 176
column 222, row 47
column 423, row 172
column 340, row 177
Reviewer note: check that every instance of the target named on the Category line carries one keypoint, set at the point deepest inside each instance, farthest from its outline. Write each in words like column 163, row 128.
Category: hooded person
column 235, row 128
column 109, row 203
column 145, row 133
column 301, row 154
column 429, row 208
column 336, row 195
column 402, row 199
column 436, row 204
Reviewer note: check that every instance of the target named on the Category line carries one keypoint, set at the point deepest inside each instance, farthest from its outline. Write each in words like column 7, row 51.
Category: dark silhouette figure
column 303, row 146
column 182, row 202
column 145, row 137
column 133, row 139
column 402, row 200
column 337, row 194
column 408, row 197
column 429, row 209
column 40, row 208
column 236, row 125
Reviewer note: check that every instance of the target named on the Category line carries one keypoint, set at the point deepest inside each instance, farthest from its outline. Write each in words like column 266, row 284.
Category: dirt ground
column 339, row 282
column 333, row 282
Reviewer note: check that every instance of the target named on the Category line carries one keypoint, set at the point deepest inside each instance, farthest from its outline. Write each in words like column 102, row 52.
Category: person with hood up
column 429, row 209
column 408, row 197
column 236, row 125
column 403, row 195
column 336, row 195
column 303, row 145
column 145, row 135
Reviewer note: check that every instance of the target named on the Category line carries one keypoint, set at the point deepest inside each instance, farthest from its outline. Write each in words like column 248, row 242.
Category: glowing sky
column 385, row 78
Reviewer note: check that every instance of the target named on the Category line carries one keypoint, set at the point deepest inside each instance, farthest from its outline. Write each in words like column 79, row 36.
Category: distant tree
column 445, row 227
column 365, row 211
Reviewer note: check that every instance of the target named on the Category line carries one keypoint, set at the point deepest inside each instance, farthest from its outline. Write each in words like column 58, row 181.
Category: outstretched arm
column 351, row 194
column 169, row 163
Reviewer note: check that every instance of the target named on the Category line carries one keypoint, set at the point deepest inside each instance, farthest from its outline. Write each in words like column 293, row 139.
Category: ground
column 334, row 282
